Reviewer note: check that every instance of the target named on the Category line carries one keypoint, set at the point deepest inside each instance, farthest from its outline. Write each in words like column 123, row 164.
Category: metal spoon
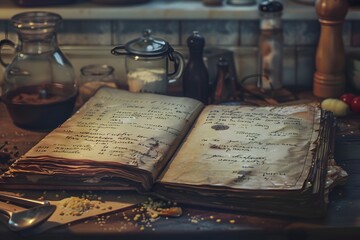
column 28, row 218
column 22, row 201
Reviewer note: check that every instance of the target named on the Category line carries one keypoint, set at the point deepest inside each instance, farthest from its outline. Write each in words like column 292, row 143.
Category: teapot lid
column 148, row 46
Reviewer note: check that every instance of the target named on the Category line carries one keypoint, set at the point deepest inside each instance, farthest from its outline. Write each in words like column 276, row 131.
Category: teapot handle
column 179, row 64
column 3, row 43
column 119, row 50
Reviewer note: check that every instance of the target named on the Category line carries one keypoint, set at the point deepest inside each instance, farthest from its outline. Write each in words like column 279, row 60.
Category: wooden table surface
column 342, row 220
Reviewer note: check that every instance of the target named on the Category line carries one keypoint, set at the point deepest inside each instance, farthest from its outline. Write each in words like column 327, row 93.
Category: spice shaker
column 270, row 55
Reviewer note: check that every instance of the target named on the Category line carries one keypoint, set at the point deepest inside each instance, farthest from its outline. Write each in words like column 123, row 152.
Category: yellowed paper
column 133, row 129
column 247, row 148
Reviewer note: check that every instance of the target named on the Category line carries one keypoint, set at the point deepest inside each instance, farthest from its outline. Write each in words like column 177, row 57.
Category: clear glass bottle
column 270, row 60
column 39, row 87
column 196, row 77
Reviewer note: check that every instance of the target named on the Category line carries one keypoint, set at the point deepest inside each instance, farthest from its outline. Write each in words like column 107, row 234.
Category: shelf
column 165, row 9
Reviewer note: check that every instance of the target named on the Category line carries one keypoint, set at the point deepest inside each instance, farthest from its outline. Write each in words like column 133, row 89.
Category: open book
column 262, row 159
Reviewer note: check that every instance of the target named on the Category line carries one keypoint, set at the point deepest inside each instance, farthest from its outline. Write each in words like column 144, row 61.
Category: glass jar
column 39, row 87
column 93, row 77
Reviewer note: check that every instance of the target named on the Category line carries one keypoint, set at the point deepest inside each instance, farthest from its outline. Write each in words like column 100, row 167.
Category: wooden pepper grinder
column 329, row 78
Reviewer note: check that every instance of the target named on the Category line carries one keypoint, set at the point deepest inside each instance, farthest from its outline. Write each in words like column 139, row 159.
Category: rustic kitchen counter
column 342, row 221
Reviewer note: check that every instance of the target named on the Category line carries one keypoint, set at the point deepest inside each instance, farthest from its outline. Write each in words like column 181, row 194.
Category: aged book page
column 260, row 148
column 139, row 131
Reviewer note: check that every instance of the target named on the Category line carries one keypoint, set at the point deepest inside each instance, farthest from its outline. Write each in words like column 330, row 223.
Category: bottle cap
column 196, row 41
column 270, row 13
column 270, row 6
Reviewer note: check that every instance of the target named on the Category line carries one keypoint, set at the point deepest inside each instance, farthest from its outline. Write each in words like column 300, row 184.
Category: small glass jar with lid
column 93, row 77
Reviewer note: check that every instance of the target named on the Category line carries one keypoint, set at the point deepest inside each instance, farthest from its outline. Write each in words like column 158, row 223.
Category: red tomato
column 347, row 98
column 355, row 105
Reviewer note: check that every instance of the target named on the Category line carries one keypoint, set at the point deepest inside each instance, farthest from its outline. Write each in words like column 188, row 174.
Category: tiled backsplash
column 240, row 36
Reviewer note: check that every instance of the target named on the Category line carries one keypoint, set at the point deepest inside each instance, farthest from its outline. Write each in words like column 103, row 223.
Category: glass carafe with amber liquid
column 39, row 87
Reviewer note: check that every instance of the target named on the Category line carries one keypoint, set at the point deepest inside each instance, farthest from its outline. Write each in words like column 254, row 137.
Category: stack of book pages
column 275, row 160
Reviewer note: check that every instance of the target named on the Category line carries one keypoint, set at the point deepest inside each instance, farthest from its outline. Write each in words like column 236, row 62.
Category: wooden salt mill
column 329, row 78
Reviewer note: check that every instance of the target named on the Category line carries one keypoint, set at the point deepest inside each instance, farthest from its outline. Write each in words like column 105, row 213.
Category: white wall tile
column 215, row 32
column 289, row 67
column 85, row 32
column 301, row 33
column 305, row 66
column 249, row 33
column 125, row 31
column 246, row 64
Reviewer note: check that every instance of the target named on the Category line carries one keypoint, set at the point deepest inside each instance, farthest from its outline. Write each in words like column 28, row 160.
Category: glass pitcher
column 39, row 87
column 147, row 63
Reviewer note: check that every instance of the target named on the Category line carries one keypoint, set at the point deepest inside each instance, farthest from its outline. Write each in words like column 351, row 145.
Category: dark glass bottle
column 196, row 76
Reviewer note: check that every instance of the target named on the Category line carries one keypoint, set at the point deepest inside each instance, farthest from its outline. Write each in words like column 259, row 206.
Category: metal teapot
column 147, row 63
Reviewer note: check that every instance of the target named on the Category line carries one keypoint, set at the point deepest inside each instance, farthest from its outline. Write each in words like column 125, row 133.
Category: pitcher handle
column 179, row 64
column 3, row 43
column 119, row 50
